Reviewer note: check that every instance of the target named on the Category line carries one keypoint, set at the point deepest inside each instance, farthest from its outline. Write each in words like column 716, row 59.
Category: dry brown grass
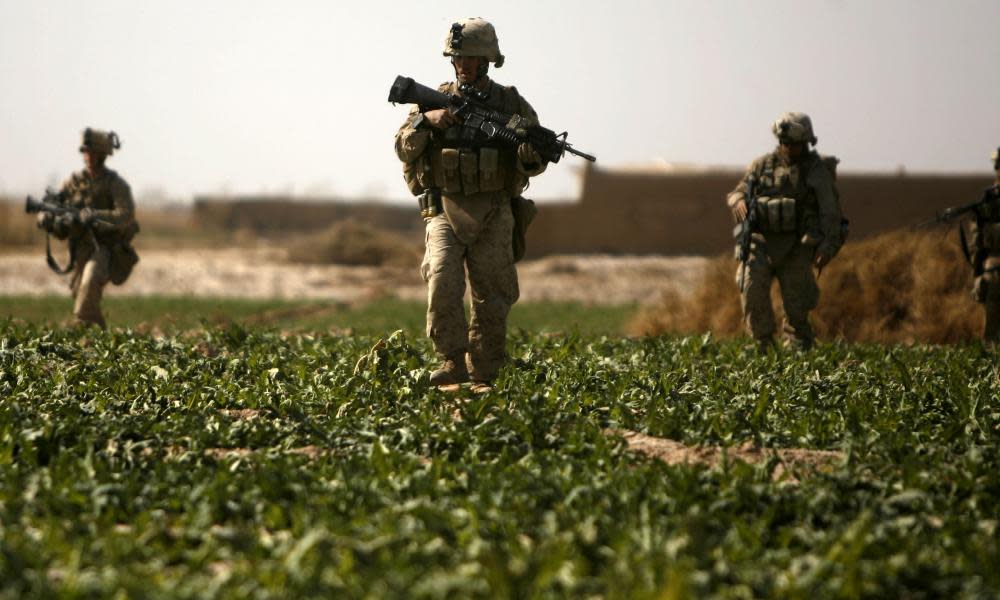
column 900, row 287
column 162, row 226
column 17, row 229
column 352, row 243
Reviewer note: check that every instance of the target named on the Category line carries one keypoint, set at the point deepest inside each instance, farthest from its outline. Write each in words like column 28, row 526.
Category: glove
column 529, row 157
column 86, row 216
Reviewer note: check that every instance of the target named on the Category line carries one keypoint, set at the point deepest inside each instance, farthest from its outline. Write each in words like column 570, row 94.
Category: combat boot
column 800, row 344
column 764, row 345
column 452, row 371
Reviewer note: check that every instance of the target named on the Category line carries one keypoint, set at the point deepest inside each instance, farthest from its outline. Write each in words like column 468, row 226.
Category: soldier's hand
column 740, row 211
column 440, row 118
column 821, row 260
column 62, row 225
column 86, row 216
column 44, row 221
column 529, row 157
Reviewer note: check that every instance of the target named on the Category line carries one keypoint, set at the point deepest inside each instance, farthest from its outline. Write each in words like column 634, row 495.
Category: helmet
column 473, row 37
column 794, row 127
column 100, row 142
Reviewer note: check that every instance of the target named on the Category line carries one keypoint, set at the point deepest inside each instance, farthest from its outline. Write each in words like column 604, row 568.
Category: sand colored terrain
column 263, row 271
column 791, row 461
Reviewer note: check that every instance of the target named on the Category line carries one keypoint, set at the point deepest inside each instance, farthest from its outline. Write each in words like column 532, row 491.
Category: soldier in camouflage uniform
column 986, row 239
column 800, row 227
column 100, row 233
column 472, row 227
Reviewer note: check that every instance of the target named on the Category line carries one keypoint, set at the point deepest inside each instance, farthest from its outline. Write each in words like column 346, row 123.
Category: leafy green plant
column 234, row 461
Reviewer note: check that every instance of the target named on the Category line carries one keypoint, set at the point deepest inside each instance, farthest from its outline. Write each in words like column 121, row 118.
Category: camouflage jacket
column 420, row 147
column 989, row 210
column 986, row 227
column 109, row 197
column 811, row 184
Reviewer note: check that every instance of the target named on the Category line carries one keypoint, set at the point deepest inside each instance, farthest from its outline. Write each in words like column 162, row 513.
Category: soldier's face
column 792, row 151
column 468, row 68
column 93, row 160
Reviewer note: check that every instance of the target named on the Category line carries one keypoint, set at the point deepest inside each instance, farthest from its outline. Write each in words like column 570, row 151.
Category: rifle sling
column 963, row 239
column 53, row 265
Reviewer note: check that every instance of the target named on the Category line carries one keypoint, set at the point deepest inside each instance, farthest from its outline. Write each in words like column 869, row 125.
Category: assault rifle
column 743, row 232
column 481, row 123
column 53, row 203
column 949, row 215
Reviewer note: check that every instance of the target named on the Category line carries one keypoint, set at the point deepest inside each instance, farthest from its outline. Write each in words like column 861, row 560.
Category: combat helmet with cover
column 473, row 37
column 100, row 142
column 794, row 127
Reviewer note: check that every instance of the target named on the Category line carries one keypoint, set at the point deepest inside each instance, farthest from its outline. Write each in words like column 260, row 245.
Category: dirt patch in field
column 263, row 271
column 793, row 461
column 240, row 414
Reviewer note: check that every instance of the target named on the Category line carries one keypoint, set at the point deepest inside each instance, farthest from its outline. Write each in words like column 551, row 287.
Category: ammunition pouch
column 123, row 255
column 447, row 176
column 469, row 171
column 524, row 212
column 491, row 176
column 469, row 164
column 777, row 214
column 430, row 203
column 123, row 260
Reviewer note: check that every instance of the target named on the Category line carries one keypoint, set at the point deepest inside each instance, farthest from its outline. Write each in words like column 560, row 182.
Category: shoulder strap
column 964, row 241
column 53, row 265
column 51, row 261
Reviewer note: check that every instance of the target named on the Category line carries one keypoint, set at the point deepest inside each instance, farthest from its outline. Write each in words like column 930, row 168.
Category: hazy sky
column 252, row 97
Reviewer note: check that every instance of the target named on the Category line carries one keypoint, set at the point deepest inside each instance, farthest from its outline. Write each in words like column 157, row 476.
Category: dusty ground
column 792, row 461
column 261, row 272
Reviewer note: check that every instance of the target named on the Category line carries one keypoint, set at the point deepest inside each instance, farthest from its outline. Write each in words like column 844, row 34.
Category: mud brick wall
column 621, row 212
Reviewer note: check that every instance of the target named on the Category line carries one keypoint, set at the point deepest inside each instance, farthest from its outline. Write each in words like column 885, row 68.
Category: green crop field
column 235, row 462
column 174, row 314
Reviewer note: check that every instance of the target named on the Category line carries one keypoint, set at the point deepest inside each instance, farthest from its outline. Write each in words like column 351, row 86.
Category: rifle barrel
column 580, row 153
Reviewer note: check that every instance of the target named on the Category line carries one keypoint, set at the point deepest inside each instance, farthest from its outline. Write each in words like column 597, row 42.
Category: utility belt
column 469, row 171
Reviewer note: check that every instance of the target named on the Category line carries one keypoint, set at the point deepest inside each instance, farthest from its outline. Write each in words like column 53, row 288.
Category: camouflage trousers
column 91, row 274
column 489, row 259
column 783, row 257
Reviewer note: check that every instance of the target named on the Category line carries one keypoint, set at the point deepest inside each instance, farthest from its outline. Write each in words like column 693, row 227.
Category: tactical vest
column 458, row 165
column 785, row 203
column 84, row 191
